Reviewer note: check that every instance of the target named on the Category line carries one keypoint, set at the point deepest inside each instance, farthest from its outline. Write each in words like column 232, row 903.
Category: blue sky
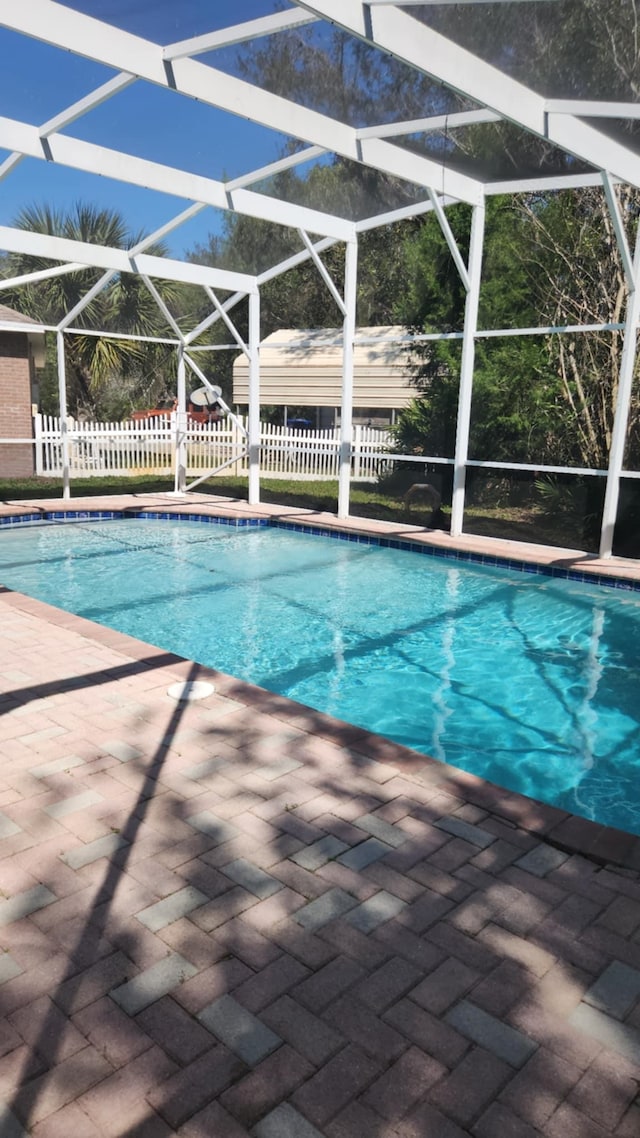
column 37, row 82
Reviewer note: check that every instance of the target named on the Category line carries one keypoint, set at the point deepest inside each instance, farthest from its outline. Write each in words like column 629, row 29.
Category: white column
column 64, row 420
column 621, row 418
column 253, row 423
column 466, row 368
column 346, row 408
column 180, row 456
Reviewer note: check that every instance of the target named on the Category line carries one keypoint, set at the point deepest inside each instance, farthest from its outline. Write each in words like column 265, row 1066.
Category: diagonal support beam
column 228, row 321
column 322, row 269
column 623, row 402
column 619, row 230
column 88, row 103
column 306, row 155
column 41, row 275
column 212, row 318
column 239, row 33
column 86, row 300
column 10, row 163
column 296, row 259
column 450, row 239
column 158, row 234
column 164, row 309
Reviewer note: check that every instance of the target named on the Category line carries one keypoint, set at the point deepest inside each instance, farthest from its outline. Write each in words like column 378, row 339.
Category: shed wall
column 312, row 377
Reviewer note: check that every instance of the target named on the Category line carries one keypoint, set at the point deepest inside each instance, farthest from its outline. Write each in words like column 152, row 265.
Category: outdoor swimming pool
column 529, row 681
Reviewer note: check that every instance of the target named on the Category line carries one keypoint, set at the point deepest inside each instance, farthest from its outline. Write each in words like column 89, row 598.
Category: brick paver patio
column 238, row 917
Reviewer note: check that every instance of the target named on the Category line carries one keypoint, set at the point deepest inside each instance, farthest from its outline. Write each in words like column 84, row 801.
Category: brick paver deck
column 238, row 917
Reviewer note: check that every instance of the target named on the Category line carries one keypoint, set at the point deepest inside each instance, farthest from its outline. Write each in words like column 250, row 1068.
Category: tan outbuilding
column 304, row 369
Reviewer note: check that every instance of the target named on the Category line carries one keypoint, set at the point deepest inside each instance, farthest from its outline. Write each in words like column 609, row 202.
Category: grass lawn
column 521, row 523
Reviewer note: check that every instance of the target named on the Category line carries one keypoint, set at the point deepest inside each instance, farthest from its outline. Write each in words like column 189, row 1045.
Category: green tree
column 575, row 274
column 513, row 396
column 102, row 373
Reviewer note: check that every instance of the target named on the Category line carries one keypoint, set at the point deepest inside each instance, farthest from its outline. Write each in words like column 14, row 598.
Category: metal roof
column 11, row 316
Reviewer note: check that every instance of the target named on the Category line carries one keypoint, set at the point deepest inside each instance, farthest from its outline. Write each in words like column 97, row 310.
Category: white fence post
column 37, row 434
column 357, row 450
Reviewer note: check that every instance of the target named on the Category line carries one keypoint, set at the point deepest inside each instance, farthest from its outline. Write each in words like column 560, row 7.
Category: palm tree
column 124, row 305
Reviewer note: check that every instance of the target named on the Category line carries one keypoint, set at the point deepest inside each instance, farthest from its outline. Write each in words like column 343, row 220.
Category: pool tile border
column 494, row 561
column 491, row 560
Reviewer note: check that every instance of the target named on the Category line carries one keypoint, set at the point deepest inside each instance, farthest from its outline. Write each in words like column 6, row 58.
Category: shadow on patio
column 237, row 916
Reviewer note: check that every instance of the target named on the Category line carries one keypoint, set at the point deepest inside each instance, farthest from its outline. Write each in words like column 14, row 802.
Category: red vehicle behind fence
column 208, row 415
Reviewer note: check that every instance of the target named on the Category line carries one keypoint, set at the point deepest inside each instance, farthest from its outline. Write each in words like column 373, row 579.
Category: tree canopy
column 103, row 374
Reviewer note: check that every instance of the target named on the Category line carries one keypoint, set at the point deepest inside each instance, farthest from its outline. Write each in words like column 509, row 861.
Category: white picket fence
column 148, row 447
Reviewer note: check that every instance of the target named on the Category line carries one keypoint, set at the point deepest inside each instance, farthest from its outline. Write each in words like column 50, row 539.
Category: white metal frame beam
column 466, row 370
column 293, row 260
column 239, row 33
column 223, row 314
column 254, row 400
column 346, row 409
column 308, row 154
column 591, row 109
column 73, row 31
column 621, row 416
column 97, row 288
column 41, row 275
column 180, row 426
column 164, row 309
column 121, row 261
column 88, row 103
column 447, row 233
column 401, row 214
column 324, row 273
column 275, row 271
column 545, row 184
column 434, row 122
column 168, row 227
column 619, row 230
column 441, row 3
column 71, row 114
column 64, row 416
column 23, row 139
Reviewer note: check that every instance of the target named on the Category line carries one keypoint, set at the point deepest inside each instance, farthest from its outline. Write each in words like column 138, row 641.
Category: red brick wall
column 16, row 461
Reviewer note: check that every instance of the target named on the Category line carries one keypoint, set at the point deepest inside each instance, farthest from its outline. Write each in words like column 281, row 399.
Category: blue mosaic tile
column 21, row 519
column 200, row 519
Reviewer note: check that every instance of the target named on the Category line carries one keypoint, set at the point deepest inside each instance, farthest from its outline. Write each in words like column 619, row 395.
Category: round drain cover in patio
column 189, row 690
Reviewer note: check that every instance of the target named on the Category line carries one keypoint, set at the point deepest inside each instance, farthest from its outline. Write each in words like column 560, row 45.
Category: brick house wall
column 16, row 377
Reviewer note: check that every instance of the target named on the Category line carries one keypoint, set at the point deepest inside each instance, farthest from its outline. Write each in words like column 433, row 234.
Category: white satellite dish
column 205, row 396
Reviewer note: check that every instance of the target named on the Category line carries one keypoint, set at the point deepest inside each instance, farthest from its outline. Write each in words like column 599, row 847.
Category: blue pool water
column 529, row 681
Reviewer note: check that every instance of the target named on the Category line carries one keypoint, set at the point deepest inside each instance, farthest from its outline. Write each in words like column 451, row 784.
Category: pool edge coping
column 568, row 832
